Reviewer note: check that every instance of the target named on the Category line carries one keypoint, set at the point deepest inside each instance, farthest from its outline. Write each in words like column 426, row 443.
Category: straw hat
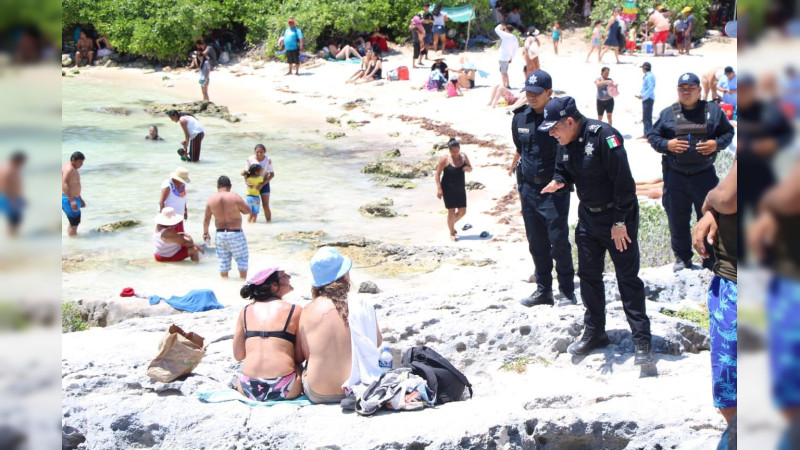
column 167, row 217
column 181, row 174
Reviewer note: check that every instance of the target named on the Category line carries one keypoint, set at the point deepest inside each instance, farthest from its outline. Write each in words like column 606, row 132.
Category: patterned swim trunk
column 231, row 244
column 722, row 329
column 783, row 309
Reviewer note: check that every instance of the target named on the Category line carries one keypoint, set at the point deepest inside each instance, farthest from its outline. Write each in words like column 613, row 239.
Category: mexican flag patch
column 613, row 142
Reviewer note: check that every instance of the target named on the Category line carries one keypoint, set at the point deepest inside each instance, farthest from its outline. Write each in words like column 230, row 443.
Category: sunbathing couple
column 338, row 339
column 371, row 69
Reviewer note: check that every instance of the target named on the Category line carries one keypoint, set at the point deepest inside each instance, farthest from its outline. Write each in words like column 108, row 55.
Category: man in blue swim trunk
column 718, row 227
column 71, row 200
column 11, row 202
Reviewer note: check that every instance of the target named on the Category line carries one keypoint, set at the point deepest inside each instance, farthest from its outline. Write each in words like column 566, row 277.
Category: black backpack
column 441, row 377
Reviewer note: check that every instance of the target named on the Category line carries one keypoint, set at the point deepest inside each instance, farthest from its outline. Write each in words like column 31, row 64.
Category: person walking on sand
column 545, row 215
column 172, row 244
column 173, row 194
column 688, row 25
column 11, row 201
column 556, row 36
column 193, row 134
column 597, row 32
column 227, row 208
column 612, row 35
column 294, row 43
column 605, row 102
column 508, row 48
column 205, row 75
column 267, row 171
column 451, row 185
column 648, row 97
column 71, row 200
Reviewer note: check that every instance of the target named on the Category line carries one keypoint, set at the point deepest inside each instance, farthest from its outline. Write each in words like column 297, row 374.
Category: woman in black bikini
column 271, row 369
column 451, row 185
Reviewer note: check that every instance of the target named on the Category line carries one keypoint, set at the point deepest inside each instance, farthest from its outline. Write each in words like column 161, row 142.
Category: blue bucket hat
column 328, row 265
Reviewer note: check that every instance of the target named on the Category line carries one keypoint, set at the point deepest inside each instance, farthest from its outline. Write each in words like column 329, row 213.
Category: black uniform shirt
column 598, row 165
column 717, row 125
column 761, row 120
column 537, row 149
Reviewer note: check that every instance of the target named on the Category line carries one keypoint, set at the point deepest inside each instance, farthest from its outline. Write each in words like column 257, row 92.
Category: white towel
column 364, row 342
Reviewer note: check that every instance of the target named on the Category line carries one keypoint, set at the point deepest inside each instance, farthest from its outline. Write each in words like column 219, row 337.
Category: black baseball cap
column 646, row 65
column 689, row 78
column 557, row 108
column 728, row 70
column 537, row 82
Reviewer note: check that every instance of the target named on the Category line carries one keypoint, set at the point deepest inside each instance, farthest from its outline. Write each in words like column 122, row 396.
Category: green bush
column 699, row 317
column 71, row 319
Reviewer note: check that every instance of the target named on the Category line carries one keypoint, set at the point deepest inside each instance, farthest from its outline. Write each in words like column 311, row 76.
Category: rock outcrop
column 207, row 109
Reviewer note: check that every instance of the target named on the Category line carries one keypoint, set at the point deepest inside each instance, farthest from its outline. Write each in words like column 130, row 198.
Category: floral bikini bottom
column 266, row 389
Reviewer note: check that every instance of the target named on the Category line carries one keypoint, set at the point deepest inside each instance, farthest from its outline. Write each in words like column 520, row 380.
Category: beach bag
column 613, row 90
column 178, row 354
column 728, row 109
column 442, row 378
column 452, row 89
column 402, row 72
column 393, row 75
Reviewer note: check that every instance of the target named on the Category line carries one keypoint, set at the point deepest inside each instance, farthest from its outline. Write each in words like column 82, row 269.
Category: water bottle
column 385, row 360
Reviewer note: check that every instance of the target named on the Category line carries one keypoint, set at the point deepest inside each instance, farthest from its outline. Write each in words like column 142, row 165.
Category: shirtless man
column 227, row 208
column 709, row 81
column 71, row 200
column 84, row 49
column 657, row 22
column 11, row 202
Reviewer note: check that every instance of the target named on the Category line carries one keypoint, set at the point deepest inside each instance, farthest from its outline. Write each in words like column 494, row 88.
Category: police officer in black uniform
column 591, row 154
column 545, row 215
column 689, row 134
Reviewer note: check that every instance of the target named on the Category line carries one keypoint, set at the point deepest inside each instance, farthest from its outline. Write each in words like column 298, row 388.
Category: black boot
column 588, row 342
column 540, row 297
column 569, row 299
column 643, row 354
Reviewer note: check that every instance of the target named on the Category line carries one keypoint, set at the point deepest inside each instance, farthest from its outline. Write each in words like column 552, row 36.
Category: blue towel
column 483, row 73
column 351, row 60
column 227, row 395
column 195, row 301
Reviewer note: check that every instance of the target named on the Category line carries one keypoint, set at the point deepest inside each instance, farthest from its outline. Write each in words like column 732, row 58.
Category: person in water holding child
column 271, row 369
column 450, row 184
column 267, row 171
column 254, row 180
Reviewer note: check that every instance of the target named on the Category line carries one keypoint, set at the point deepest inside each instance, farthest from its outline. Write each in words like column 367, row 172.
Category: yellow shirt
column 255, row 181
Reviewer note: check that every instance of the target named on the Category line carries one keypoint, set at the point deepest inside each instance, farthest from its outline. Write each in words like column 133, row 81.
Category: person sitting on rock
column 271, row 369
column 339, row 337
column 84, row 49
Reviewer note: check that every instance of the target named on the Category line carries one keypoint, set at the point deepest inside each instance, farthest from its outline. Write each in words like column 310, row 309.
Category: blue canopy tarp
column 460, row 13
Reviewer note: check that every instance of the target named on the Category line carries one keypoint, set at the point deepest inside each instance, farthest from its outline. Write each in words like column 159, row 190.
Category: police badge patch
column 589, row 149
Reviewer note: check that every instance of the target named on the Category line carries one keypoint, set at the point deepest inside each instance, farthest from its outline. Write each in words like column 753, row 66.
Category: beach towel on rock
column 397, row 389
column 226, row 395
column 195, row 301
column 364, row 343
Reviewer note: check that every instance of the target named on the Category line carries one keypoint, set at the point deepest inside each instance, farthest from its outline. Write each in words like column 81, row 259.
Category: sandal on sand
column 466, row 227
column 484, row 234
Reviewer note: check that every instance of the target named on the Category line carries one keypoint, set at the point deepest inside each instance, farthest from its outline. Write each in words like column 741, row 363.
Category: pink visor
column 262, row 275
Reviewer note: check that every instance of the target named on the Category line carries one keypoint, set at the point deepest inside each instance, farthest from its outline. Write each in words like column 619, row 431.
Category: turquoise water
column 318, row 186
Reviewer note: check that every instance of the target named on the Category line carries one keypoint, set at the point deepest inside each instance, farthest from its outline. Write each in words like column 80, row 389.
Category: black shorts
column 416, row 49
column 605, row 106
column 293, row 56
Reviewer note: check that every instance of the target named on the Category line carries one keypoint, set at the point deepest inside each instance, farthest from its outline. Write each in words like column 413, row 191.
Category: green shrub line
column 699, row 317
column 71, row 319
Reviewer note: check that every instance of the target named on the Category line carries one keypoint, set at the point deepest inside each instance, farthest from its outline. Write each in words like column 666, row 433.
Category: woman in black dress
column 451, row 185
column 612, row 35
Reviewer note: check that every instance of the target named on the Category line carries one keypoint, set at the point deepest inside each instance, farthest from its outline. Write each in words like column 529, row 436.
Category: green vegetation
column 71, row 319
column 12, row 318
column 41, row 14
column 519, row 365
column 699, row 317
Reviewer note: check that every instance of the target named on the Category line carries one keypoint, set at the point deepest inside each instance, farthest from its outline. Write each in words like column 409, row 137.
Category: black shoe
column 568, row 300
column 588, row 343
column 348, row 402
column 643, row 354
column 540, row 297
column 680, row 265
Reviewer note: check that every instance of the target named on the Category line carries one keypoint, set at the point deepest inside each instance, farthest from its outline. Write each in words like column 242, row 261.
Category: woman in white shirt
column 173, row 195
column 439, row 32
column 267, row 171
column 193, row 133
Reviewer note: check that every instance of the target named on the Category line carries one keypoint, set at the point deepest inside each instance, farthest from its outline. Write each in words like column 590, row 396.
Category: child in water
column 254, row 180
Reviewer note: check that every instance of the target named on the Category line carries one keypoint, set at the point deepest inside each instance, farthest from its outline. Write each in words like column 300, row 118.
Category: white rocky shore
column 558, row 402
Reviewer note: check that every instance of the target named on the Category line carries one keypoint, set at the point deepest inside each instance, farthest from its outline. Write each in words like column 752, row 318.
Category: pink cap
column 416, row 20
column 262, row 275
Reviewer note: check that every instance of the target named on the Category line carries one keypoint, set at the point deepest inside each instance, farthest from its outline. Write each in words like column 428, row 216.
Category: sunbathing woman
column 343, row 53
column 500, row 92
column 271, row 369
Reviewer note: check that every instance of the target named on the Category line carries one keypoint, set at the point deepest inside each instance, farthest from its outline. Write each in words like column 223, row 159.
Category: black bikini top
column 283, row 334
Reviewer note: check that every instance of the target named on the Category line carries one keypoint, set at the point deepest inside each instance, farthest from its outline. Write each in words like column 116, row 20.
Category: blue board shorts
column 783, row 314
column 264, row 190
column 74, row 217
column 12, row 209
column 254, row 203
column 722, row 296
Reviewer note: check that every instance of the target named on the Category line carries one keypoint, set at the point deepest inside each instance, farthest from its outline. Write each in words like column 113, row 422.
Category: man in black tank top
column 718, row 227
column 689, row 134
